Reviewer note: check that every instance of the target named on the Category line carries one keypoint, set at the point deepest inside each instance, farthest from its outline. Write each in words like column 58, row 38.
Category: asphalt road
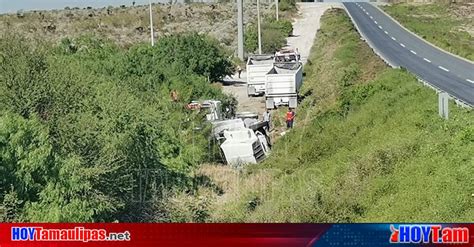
column 403, row 49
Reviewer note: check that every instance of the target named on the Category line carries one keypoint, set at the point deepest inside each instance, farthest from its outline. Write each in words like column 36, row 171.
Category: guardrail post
column 443, row 102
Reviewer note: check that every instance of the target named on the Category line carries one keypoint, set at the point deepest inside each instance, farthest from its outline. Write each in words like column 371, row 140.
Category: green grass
column 369, row 146
column 444, row 25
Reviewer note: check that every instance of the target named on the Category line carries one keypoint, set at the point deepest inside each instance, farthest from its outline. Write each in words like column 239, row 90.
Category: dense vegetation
column 89, row 132
column 368, row 146
column 449, row 26
column 274, row 32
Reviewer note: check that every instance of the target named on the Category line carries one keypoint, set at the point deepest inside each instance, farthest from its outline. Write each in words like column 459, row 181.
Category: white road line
column 394, row 38
column 471, row 81
column 371, row 17
column 427, row 60
column 412, row 51
column 385, row 32
column 367, row 13
column 402, row 44
column 443, row 68
column 375, row 22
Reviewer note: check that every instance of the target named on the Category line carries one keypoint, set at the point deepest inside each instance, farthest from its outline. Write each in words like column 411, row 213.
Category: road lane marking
column 427, row 60
column 412, row 51
column 402, row 44
column 471, row 81
column 375, row 22
column 385, row 32
column 380, row 27
column 371, row 17
column 394, row 38
column 443, row 68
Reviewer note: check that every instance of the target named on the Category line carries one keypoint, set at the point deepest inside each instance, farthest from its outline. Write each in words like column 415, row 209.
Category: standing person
column 290, row 117
column 239, row 70
column 267, row 118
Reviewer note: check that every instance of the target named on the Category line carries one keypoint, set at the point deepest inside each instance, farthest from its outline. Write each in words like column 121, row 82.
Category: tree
column 88, row 131
column 194, row 53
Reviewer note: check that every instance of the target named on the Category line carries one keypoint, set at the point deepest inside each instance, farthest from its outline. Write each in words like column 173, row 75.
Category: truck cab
column 287, row 56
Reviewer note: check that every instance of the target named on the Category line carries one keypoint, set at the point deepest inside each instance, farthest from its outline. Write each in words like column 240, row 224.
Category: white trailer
column 257, row 68
column 282, row 85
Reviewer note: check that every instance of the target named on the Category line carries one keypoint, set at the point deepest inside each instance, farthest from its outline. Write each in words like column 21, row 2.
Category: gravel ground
column 305, row 27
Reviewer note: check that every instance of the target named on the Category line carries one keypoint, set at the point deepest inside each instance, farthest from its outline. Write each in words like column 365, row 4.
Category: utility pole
column 240, row 29
column 258, row 27
column 151, row 26
column 276, row 7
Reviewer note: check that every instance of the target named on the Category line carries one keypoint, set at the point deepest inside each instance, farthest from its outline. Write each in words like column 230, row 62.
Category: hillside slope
column 130, row 25
column 368, row 146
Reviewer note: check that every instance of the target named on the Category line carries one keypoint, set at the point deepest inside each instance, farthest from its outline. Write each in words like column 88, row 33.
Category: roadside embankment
column 369, row 146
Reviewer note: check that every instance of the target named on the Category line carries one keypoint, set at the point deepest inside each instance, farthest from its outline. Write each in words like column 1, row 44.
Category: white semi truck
column 257, row 68
column 283, row 82
column 244, row 146
column 243, row 139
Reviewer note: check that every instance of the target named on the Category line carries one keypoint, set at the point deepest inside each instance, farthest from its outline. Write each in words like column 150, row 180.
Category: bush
column 287, row 5
column 274, row 35
column 195, row 53
column 85, row 127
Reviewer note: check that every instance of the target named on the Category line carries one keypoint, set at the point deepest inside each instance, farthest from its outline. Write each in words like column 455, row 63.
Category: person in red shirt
column 290, row 118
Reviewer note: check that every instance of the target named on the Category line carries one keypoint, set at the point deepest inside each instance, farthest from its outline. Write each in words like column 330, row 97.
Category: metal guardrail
column 458, row 101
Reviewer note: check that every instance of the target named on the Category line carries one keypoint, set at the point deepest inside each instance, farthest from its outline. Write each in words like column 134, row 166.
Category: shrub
column 286, row 5
column 274, row 35
column 195, row 53
column 84, row 124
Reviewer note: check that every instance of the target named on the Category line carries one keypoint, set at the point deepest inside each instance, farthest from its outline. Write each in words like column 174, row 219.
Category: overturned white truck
column 257, row 68
column 282, row 85
column 242, row 140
